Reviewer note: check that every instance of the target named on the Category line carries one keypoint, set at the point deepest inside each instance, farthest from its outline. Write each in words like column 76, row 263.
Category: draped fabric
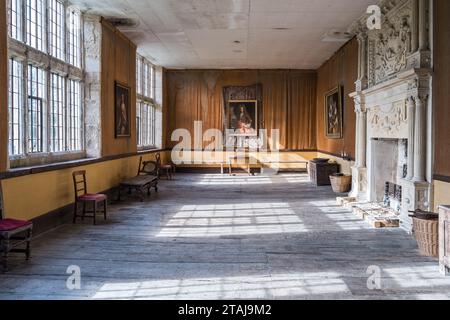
column 289, row 102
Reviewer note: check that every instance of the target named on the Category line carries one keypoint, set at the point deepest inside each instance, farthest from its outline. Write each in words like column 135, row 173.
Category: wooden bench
column 146, row 179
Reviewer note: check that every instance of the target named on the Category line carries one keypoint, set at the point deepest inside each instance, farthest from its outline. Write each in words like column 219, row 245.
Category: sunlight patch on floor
column 341, row 216
column 417, row 276
column 233, row 220
column 234, row 180
column 241, row 287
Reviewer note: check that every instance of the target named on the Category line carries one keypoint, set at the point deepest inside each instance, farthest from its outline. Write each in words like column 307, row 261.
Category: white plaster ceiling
column 202, row 33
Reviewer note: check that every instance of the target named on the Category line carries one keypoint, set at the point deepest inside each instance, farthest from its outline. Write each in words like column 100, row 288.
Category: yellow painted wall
column 31, row 196
column 441, row 194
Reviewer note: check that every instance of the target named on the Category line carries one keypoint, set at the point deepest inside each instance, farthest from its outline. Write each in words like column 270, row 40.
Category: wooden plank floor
column 214, row 237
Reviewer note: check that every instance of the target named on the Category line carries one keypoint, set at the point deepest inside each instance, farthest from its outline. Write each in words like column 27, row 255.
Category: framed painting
column 122, row 111
column 334, row 114
column 242, row 118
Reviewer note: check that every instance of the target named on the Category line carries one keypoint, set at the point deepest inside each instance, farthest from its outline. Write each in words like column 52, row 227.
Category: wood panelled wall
column 3, row 87
column 118, row 64
column 341, row 69
column 288, row 101
column 441, row 86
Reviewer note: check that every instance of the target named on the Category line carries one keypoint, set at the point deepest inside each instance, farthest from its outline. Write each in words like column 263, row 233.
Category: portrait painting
column 243, row 118
column 333, row 114
column 122, row 111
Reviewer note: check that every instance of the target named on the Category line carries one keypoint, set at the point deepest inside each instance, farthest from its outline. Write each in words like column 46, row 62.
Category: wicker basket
column 341, row 184
column 427, row 236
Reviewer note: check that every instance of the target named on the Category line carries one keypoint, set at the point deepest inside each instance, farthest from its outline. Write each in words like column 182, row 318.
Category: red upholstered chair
column 15, row 235
column 168, row 169
column 85, row 198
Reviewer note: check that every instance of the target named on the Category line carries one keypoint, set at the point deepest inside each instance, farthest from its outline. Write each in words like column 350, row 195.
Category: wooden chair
column 146, row 179
column 85, row 198
column 15, row 236
column 168, row 169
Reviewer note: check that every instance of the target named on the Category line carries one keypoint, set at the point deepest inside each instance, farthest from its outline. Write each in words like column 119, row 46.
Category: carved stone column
column 411, row 137
column 420, row 138
column 361, row 136
column 359, row 171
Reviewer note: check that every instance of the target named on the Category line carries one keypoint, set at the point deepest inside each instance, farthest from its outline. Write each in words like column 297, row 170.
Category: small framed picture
column 122, row 111
column 334, row 114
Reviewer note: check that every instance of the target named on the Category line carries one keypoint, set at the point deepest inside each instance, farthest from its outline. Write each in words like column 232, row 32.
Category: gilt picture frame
column 242, row 118
column 334, row 119
column 122, row 110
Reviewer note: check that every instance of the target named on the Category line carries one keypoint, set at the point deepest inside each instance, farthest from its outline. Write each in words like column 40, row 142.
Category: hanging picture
column 122, row 111
column 242, row 118
column 334, row 114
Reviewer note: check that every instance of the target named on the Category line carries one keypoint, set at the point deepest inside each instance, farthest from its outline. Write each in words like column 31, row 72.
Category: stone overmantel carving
column 401, row 44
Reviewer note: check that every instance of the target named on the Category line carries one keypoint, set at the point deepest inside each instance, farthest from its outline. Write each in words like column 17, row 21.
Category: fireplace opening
column 389, row 159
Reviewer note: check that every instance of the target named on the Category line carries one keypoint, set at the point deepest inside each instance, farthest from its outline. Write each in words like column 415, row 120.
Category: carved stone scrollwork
column 391, row 122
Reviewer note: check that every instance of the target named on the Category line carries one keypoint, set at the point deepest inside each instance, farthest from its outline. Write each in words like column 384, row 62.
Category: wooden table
column 248, row 162
column 140, row 184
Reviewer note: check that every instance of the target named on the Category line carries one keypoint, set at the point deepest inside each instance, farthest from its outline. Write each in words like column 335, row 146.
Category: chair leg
column 28, row 249
column 95, row 213
column 119, row 194
column 84, row 211
column 75, row 213
column 5, row 254
column 5, row 261
column 105, row 204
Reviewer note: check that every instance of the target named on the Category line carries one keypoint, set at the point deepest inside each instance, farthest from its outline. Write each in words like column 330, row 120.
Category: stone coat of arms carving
column 389, row 48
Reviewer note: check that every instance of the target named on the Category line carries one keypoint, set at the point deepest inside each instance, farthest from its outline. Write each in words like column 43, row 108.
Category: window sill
column 24, row 171
column 147, row 149
column 43, row 159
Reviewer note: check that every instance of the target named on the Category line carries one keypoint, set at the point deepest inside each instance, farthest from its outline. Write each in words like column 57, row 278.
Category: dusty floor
column 214, row 237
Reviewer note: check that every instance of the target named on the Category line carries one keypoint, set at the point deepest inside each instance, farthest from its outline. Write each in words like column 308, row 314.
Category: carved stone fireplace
column 393, row 103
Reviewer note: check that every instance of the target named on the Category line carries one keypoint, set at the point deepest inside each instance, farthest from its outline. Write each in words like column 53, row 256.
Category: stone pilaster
column 423, row 25
column 415, row 26
column 411, row 115
column 420, row 138
column 362, row 81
